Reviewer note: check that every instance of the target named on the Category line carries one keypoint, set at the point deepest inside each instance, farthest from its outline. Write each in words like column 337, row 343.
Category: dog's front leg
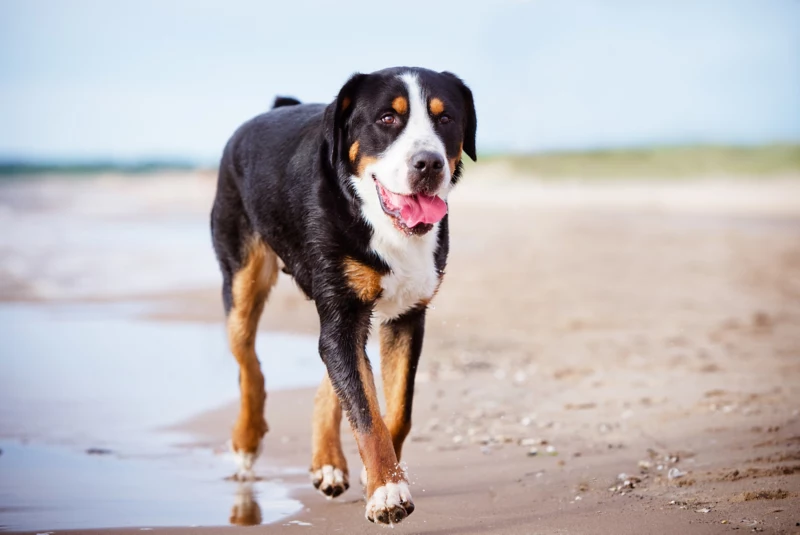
column 344, row 329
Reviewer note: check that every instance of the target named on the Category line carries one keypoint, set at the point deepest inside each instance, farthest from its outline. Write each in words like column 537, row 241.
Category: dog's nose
column 426, row 172
column 427, row 162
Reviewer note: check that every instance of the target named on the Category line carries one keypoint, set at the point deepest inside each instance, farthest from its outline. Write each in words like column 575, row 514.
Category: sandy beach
column 603, row 357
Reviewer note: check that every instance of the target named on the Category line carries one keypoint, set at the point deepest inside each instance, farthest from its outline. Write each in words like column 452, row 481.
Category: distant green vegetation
column 654, row 162
column 22, row 168
column 658, row 162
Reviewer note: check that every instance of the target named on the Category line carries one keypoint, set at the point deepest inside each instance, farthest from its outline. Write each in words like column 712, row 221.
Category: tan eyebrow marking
column 345, row 103
column 400, row 105
column 436, row 106
column 353, row 151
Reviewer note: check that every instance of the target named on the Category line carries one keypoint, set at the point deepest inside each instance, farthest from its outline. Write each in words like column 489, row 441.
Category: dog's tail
column 284, row 101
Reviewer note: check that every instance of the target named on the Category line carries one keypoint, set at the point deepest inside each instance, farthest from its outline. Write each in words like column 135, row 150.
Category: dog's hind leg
column 328, row 463
column 249, row 287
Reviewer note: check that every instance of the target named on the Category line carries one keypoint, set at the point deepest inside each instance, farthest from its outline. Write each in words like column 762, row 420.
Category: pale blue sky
column 148, row 78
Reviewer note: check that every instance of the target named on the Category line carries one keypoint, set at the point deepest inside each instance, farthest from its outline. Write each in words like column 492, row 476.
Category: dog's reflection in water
column 245, row 510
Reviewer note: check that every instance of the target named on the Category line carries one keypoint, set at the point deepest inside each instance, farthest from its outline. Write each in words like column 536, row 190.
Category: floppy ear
column 471, row 123
column 336, row 116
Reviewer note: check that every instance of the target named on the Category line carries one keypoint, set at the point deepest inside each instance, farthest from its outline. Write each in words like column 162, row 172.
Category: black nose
column 427, row 163
column 426, row 172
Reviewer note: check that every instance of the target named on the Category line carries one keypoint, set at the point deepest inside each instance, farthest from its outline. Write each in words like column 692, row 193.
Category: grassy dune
column 658, row 162
column 14, row 169
column 653, row 162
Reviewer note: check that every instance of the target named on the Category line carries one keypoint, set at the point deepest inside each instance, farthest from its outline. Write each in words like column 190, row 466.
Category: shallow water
column 45, row 487
column 102, row 256
column 95, row 372
column 94, row 376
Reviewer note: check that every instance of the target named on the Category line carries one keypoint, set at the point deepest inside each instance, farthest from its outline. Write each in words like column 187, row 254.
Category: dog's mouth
column 412, row 214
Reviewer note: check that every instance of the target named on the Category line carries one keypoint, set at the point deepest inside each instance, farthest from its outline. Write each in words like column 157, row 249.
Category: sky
column 146, row 79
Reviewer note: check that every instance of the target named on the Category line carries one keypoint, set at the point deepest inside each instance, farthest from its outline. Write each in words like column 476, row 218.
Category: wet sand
column 601, row 358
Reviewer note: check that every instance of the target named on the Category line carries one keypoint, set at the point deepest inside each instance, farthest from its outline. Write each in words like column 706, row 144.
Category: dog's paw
column 330, row 481
column 244, row 463
column 390, row 504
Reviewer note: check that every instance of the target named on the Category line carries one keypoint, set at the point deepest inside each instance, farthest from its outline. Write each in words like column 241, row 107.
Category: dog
column 350, row 199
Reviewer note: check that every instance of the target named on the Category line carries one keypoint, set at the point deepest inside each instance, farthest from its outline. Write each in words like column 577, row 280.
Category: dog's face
column 400, row 134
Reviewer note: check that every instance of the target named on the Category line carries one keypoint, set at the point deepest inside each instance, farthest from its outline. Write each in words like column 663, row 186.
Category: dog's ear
column 336, row 117
column 471, row 123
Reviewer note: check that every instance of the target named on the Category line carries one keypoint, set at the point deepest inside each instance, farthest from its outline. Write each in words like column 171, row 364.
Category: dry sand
column 601, row 358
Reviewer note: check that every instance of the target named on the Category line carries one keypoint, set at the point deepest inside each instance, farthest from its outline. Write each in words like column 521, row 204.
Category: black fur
column 284, row 176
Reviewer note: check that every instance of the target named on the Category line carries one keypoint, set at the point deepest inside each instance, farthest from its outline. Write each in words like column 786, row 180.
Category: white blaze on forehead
column 419, row 134
column 413, row 275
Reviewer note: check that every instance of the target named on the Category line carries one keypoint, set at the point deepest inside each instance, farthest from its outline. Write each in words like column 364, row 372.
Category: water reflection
column 245, row 510
column 46, row 487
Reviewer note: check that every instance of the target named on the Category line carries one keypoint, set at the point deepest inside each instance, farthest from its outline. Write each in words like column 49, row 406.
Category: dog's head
column 398, row 136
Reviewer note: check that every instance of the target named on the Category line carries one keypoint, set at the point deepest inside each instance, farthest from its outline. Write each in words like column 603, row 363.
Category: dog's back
column 266, row 175
column 271, row 142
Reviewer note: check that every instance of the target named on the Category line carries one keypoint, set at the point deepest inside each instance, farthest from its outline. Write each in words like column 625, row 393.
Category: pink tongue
column 416, row 209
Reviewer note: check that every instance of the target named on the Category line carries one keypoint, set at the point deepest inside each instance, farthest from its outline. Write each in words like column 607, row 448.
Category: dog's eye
column 388, row 118
column 444, row 119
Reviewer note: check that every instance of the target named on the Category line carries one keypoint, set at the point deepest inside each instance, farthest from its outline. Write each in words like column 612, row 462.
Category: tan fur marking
column 250, row 288
column 354, row 152
column 400, row 105
column 345, row 103
column 363, row 163
column 365, row 281
column 453, row 162
column 325, row 435
column 395, row 355
column 376, row 448
column 436, row 106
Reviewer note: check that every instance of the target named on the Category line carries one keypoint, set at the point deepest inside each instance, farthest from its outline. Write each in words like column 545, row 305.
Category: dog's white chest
column 413, row 277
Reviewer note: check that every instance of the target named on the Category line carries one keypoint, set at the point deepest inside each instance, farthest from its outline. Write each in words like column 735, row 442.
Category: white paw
column 390, row 504
column 330, row 481
column 244, row 464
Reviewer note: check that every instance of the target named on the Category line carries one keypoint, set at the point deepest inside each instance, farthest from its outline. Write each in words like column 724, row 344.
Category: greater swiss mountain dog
column 350, row 199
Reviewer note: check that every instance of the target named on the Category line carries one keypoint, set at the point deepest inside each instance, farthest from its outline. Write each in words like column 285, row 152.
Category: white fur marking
column 328, row 477
column 391, row 167
column 244, row 461
column 413, row 277
column 386, row 498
